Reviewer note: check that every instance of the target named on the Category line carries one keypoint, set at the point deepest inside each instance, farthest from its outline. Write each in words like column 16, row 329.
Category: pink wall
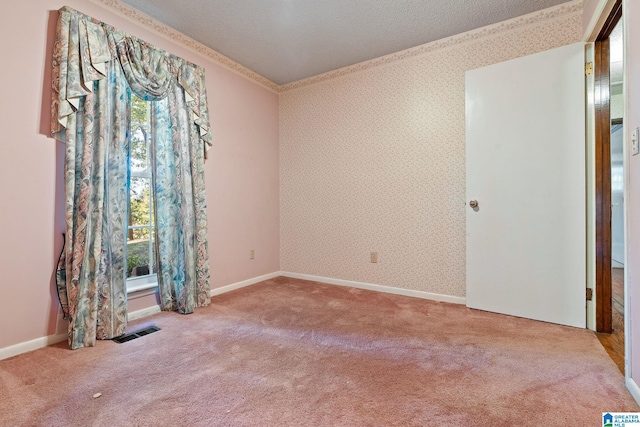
column 631, row 15
column 241, row 173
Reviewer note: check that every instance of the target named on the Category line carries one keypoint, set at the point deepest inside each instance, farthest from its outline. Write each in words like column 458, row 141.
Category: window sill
column 138, row 287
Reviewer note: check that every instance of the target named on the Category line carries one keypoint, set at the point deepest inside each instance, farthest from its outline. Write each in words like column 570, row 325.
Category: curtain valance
column 83, row 47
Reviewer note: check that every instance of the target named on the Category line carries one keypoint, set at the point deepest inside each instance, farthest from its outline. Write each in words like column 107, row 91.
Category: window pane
column 138, row 257
column 140, row 202
column 141, row 257
column 139, row 140
column 138, row 149
column 140, row 234
column 139, row 110
column 139, row 252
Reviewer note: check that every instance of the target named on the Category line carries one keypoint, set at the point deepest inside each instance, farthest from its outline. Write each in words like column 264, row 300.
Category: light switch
column 634, row 141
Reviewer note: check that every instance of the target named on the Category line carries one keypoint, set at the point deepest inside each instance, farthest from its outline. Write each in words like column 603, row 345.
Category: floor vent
column 136, row 334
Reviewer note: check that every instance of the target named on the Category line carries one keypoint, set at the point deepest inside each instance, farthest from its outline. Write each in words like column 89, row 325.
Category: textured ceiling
column 289, row 40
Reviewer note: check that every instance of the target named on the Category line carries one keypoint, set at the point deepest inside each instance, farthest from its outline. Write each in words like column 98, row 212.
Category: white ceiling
column 289, row 40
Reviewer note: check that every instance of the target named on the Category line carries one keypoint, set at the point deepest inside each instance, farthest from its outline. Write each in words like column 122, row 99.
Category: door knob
column 473, row 204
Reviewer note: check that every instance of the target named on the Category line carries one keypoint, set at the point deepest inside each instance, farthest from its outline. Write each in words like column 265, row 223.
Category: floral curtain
column 181, row 222
column 94, row 68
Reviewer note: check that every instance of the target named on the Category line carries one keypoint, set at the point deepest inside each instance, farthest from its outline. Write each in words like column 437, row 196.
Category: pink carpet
column 289, row 352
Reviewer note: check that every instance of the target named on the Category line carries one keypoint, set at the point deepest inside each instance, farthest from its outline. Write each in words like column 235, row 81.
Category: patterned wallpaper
column 373, row 159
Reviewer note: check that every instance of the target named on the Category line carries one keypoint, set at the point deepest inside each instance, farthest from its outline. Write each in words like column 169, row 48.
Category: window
column 141, row 249
column 128, row 248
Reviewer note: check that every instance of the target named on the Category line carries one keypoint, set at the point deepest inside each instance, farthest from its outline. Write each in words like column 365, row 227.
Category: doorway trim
column 603, row 171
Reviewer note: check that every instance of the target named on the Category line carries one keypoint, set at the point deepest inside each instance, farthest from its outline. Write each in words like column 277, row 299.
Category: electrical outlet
column 252, row 254
column 634, row 141
column 374, row 257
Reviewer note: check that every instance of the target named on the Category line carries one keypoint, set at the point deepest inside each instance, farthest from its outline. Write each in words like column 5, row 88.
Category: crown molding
column 534, row 18
column 134, row 15
column 125, row 11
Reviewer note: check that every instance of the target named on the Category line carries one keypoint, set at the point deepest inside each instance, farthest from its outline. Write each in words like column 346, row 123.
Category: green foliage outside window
column 140, row 235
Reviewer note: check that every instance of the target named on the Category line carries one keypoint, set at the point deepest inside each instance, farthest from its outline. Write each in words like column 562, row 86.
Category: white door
column 526, row 240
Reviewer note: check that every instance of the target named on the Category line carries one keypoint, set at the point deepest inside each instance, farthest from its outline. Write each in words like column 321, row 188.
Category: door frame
column 603, row 171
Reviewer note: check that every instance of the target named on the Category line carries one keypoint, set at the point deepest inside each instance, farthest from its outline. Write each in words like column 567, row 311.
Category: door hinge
column 589, row 294
column 588, row 68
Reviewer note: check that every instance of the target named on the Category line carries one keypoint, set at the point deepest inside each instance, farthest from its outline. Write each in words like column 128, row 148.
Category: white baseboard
column 379, row 288
column 238, row 285
column 633, row 389
column 23, row 347
column 37, row 343
column 139, row 314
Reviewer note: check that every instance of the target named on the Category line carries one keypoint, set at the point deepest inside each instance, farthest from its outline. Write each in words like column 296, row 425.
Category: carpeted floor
column 289, row 352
